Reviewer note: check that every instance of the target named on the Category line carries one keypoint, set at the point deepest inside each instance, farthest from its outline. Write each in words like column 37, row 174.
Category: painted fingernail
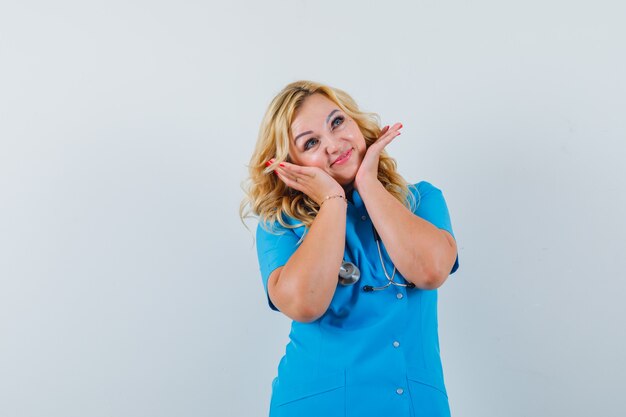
column 268, row 163
column 400, row 125
column 281, row 164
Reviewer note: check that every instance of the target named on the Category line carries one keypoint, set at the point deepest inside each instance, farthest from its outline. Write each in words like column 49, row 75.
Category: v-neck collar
column 354, row 197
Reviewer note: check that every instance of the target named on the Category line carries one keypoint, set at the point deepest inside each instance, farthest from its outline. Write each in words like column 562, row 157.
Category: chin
column 344, row 182
column 348, row 178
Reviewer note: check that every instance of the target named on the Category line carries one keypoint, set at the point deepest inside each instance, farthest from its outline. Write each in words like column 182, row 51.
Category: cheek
column 362, row 152
column 311, row 159
column 360, row 143
column 317, row 160
column 358, row 137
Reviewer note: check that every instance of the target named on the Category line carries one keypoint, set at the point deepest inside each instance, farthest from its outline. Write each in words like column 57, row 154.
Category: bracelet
column 328, row 197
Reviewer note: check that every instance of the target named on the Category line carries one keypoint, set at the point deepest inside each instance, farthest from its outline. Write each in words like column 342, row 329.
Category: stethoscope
column 349, row 273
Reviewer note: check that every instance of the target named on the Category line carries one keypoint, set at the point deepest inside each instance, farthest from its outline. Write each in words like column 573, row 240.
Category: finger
column 285, row 175
column 384, row 140
column 270, row 162
column 289, row 181
column 396, row 126
column 389, row 135
column 296, row 170
column 390, row 130
column 267, row 164
column 273, row 161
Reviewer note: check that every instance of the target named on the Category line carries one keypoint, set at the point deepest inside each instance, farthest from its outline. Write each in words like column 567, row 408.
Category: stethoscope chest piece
column 348, row 273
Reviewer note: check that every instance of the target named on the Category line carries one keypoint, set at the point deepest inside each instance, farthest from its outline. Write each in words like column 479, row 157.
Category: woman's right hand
column 312, row 181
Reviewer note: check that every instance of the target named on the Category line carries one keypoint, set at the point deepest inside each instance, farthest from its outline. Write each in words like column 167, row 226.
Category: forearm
column 417, row 248
column 309, row 278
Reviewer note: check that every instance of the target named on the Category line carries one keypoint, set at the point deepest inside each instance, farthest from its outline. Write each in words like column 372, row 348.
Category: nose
column 332, row 145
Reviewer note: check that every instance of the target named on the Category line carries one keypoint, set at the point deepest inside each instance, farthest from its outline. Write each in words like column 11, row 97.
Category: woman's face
column 324, row 136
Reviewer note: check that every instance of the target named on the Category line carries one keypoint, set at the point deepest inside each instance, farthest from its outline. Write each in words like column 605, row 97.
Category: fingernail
column 268, row 163
column 400, row 125
column 281, row 164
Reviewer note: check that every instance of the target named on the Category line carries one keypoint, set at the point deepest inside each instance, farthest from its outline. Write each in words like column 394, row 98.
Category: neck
column 349, row 190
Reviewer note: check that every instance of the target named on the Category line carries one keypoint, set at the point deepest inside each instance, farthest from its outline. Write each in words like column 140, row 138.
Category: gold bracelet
column 328, row 197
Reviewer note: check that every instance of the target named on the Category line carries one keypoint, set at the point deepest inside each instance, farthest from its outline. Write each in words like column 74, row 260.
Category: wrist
column 365, row 182
column 330, row 197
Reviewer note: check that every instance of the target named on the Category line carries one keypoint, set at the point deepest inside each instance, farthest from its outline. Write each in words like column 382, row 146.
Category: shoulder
column 269, row 229
column 419, row 191
column 423, row 187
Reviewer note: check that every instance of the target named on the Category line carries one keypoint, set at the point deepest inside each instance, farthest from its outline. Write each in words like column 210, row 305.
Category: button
column 363, row 217
column 399, row 391
column 396, row 343
column 399, row 296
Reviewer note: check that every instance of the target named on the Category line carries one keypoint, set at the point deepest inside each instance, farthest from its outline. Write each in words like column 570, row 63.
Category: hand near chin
column 312, row 181
column 368, row 171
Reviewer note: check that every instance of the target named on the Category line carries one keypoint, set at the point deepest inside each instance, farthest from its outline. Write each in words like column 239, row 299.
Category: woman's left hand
column 368, row 171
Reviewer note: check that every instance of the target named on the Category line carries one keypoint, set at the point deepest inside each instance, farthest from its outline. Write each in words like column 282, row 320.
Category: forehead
column 313, row 111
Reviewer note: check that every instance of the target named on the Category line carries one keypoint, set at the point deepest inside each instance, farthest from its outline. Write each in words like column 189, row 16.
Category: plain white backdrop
column 129, row 286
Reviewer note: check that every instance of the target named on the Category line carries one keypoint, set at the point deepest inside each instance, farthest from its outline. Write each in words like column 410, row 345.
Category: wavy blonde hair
column 267, row 197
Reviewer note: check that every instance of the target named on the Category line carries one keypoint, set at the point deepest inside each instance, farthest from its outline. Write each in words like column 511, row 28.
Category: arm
column 422, row 253
column 304, row 287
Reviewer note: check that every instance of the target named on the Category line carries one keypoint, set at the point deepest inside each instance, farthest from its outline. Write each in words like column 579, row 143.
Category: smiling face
column 324, row 136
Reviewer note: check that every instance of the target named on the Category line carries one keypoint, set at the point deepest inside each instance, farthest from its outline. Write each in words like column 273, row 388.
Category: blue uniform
column 371, row 353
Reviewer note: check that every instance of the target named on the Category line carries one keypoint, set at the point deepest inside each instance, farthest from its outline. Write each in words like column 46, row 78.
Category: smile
column 343, row 158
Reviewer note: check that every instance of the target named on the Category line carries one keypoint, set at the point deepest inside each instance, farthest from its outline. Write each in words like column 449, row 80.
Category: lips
column 343, row 157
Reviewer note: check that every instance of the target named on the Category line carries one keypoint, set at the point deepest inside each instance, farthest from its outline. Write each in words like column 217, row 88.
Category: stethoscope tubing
column 349, row 273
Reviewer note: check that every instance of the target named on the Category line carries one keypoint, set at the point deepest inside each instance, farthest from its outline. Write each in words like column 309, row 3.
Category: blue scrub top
column 371, row 353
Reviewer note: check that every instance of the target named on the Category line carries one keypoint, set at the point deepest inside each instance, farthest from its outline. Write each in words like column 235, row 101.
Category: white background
column 129, row 286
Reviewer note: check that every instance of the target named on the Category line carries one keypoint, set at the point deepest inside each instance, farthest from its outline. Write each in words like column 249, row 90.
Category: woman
column 325, row 192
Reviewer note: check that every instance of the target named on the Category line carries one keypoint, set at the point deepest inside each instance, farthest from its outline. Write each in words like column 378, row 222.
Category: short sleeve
column 430, row 205
column 274, row 250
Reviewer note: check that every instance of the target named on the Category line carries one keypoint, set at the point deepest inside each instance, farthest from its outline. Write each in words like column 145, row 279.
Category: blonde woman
column 353, row 254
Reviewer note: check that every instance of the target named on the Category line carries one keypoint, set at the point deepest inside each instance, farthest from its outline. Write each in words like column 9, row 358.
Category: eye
column 339, row 119
column 306, row 144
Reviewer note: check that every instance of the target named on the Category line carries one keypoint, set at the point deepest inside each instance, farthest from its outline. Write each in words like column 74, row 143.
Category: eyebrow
column 308, row 132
